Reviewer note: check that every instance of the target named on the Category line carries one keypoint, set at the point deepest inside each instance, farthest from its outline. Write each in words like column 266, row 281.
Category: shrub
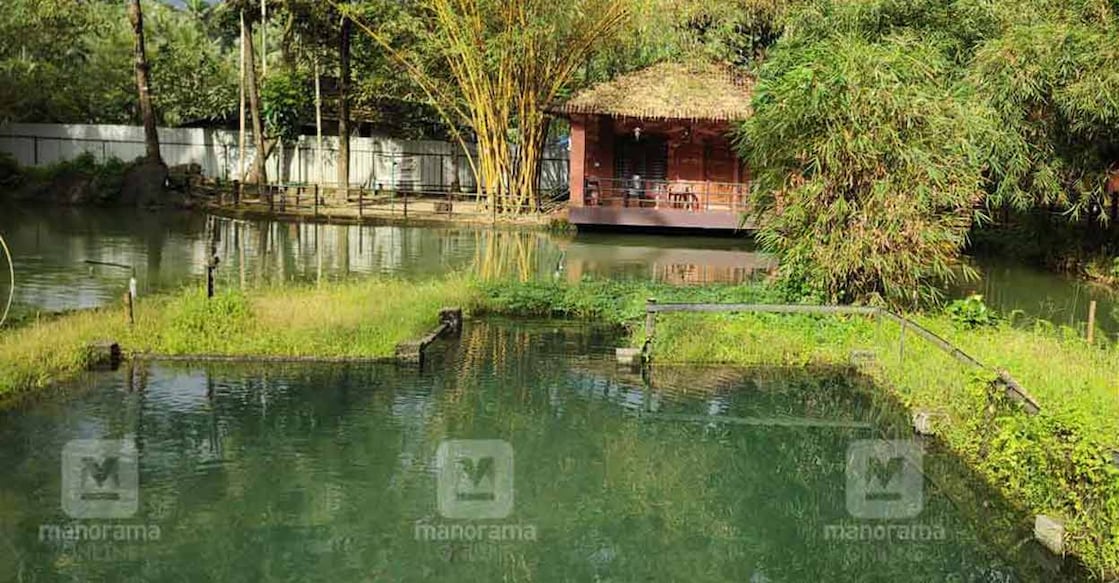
column 868, row 167
column 971, row 312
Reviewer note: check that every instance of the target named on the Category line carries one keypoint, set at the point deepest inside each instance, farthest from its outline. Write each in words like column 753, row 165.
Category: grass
column 361, row 319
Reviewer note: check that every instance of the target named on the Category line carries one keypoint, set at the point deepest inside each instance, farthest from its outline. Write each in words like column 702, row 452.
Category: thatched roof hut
column 668, row 91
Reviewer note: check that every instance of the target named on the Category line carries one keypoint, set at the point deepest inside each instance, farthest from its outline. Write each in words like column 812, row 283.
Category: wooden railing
column 688, row 195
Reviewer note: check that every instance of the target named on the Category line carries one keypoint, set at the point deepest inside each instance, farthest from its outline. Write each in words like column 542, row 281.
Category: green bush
column 610, row 302
column 971, row 312
column 10, row 173
column 869, row 163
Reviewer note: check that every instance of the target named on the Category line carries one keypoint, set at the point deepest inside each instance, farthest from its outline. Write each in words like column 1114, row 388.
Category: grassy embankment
column 363, row 319
column 1057, row 462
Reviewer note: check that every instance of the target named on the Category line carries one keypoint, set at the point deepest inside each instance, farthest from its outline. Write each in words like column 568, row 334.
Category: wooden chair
column 591, row 192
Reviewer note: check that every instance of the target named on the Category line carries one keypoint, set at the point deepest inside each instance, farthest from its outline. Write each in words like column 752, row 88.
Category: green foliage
column 286, row 104
column 614, row 302
column 65, row 61
column 10, row 173
column 104, row 178
column 868, row 166
column 197, row 324
column 1053, row 84
column 971, row 312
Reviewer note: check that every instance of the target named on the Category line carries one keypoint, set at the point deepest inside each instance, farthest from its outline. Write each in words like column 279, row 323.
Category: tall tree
column 344, row 103
column 143, row 83
column 253, row 89
column 507, row 61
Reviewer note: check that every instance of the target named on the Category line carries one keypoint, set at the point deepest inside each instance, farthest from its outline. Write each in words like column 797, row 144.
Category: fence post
column 1091, row 321
column 35, row 141
column 128, row 306
column 901, row 341
column 650, row 330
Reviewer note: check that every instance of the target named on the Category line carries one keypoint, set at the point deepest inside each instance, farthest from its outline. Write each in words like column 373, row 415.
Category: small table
column 685, row 200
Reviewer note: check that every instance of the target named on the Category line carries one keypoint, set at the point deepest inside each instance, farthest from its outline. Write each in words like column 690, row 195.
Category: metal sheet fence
column 391, row 163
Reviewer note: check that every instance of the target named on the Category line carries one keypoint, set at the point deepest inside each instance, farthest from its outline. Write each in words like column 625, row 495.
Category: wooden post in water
column 128, row 305
column 650, row 329
column 360, row 201
column 1091, row 321
column 316, row 203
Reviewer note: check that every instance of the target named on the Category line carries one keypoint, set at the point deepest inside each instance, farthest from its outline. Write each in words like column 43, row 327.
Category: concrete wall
column 377, row 160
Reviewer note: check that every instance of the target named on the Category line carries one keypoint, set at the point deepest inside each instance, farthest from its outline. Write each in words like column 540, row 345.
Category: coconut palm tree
column 143, row 83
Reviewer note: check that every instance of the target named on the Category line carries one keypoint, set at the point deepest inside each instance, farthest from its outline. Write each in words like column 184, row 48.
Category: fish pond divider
column 1049, row 531
column 1003, row 379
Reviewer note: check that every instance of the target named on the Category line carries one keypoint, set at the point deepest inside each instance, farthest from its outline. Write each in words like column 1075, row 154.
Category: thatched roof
column 668, row 91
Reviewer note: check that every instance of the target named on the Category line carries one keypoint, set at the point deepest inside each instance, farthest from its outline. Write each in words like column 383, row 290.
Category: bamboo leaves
column 507, row 60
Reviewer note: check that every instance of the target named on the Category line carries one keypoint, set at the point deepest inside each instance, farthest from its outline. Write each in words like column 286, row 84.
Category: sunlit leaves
column 868, row 167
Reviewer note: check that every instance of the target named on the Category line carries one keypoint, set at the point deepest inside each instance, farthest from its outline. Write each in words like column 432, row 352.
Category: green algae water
column 519, row 452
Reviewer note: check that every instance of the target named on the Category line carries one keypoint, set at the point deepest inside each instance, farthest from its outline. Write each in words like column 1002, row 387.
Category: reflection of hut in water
column 670, row 265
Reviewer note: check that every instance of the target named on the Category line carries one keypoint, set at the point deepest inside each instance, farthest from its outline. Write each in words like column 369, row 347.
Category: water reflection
column 169, row 249
column 1030, row 293
column 324, row 472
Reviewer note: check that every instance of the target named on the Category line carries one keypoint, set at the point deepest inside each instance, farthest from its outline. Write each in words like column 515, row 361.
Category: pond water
column 52, row 247
column 560, row 466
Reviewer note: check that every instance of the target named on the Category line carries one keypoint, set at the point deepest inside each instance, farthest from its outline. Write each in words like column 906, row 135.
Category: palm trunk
column 318, row 124
column 254, row 107
column 143, row 83
column 344, row 105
